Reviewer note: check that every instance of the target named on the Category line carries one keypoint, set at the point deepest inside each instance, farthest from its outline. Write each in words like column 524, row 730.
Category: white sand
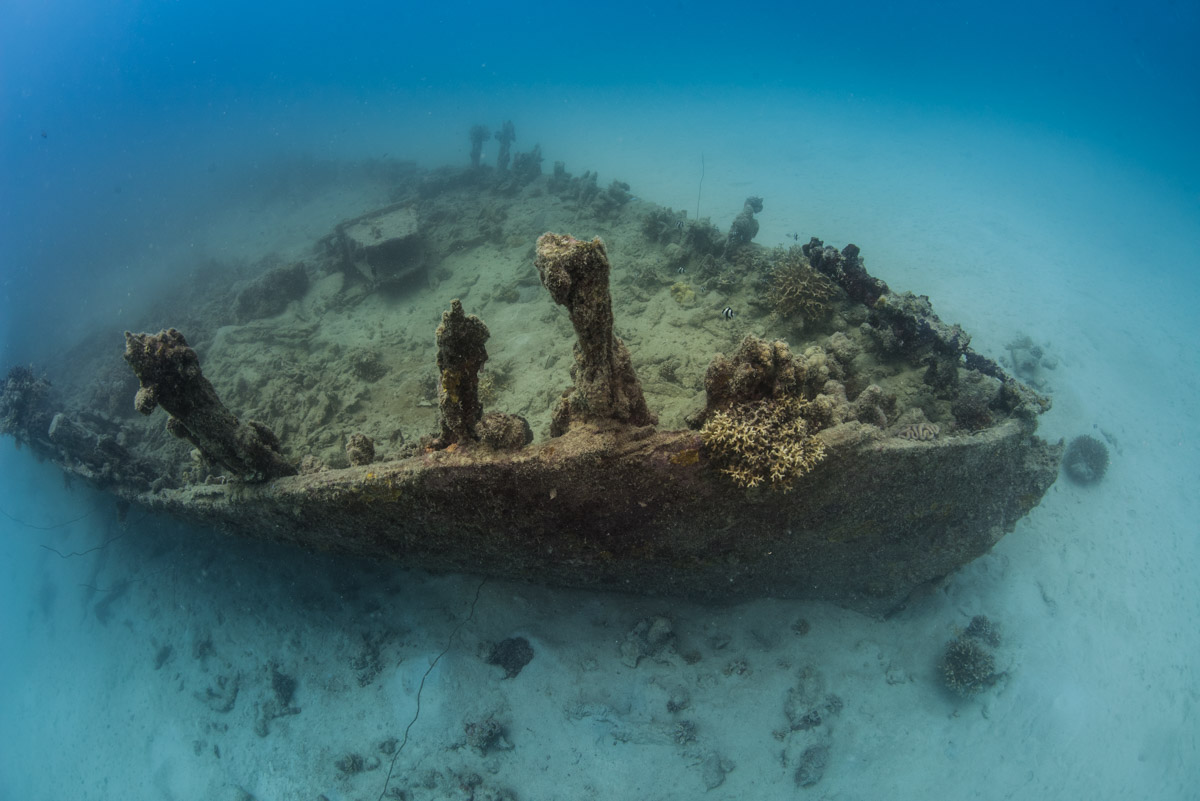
column 1008, row 231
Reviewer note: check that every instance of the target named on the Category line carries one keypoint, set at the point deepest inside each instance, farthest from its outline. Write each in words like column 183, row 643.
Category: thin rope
column 421, row 686
column 46, row 528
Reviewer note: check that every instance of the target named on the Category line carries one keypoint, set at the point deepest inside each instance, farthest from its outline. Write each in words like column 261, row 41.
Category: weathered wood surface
column 639, row 511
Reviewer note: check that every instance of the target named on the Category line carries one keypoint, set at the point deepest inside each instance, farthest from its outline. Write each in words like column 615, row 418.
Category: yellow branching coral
column 764, row 443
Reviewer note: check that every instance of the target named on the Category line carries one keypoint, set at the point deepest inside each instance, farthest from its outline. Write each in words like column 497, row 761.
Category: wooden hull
column 641, row 511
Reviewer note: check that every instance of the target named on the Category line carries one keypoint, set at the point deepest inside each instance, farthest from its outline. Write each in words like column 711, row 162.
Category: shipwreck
column 845, row 444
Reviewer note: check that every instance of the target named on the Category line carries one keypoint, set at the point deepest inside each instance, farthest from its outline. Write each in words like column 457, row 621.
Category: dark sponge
column 511, row 654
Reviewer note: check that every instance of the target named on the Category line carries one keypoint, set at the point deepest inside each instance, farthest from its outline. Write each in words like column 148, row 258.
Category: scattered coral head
column 968, row 667
column 1086, row 460
column 683, row 294
column 360, row 449
column 504, row 432
column 982, row 628
column 923, row 431
column 368, row 365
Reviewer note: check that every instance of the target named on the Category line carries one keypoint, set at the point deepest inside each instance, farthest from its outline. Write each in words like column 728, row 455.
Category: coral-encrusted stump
column 606, row 387
column 169, row 372
column 461, row 355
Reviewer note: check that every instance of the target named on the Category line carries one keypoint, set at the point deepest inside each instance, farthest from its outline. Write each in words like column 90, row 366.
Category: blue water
column 1032, row 167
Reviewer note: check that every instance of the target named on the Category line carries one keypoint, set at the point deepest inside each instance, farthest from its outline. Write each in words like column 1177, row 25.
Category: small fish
column 681, row 271
column 679, row 225
column 727, row 313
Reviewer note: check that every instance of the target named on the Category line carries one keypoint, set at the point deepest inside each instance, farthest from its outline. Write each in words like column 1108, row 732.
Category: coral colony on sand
column 1086, row 460
column 968, row 666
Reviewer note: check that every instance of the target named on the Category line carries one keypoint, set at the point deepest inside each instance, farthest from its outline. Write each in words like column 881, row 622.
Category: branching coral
column 702, row 238
column 663, row 225
column 795, row 288
column 763, row 443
